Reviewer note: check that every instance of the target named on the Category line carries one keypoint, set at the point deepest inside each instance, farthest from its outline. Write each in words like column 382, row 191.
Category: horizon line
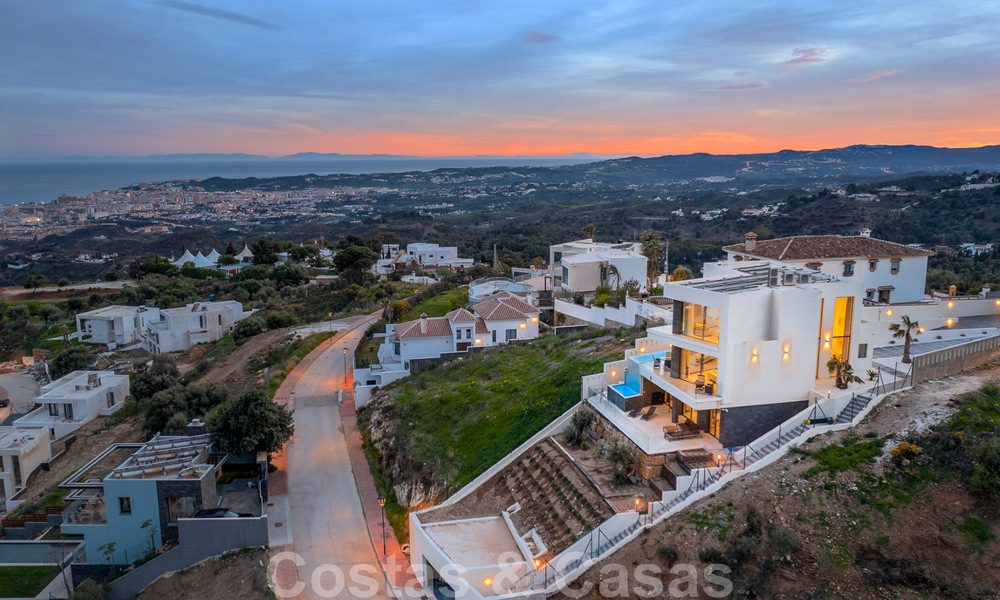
column 380, row 155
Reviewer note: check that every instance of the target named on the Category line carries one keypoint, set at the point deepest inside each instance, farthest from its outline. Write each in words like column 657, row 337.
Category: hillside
column 856, row 515
column 432, row 432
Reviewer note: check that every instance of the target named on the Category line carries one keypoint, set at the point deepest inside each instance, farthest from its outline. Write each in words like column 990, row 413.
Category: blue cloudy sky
column 474, row 77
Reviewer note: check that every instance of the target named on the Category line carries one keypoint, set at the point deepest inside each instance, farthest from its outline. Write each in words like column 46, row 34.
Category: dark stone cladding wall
column 204, row 491
column 741, row 426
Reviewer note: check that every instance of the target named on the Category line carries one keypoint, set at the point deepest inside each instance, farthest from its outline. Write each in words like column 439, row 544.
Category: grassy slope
column 25, row 582
column 452, row 423
column 439, row 305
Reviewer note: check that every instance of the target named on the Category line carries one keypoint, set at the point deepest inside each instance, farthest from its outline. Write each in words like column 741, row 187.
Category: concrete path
column 388, row 548
column 328, row 528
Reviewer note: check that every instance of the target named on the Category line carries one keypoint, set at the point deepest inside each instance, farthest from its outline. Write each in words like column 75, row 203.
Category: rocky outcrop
column 414, row 483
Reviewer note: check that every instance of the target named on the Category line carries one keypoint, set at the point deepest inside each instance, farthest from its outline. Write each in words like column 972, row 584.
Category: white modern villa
column 22, row 451
column 72, row 401
column 433, row 255
column 197, row 323
column 736, row 376
column 496, row 320
column 115, row 325
column 581, row 266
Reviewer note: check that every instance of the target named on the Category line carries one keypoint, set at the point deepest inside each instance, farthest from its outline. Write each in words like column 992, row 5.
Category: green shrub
column 985, row 482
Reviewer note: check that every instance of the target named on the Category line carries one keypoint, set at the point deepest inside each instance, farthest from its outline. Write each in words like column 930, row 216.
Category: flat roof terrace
column 478, row 542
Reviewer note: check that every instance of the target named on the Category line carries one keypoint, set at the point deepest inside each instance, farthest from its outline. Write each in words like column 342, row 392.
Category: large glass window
column 700, row 322
column 843, row 318
column 700, row 369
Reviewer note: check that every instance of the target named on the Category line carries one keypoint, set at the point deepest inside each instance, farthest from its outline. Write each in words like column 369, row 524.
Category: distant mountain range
column 854, row 161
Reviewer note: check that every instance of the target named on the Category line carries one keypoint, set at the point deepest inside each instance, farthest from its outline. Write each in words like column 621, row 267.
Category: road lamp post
column 345, row 367
column 329, row 315
column 381, row 502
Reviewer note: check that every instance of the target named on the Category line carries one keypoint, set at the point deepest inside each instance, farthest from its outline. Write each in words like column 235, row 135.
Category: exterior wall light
column 614, row 374
column 997, row 302
column 479, row 341
column 785, row 351
column 888, row 313
column 826, row 341
column 951, row 304
column 642, row 350
column 523, row 325
column 921, row 330
column 534, row 319
column 538, row 563
column 753, row 355
column 950, row 322
column 488, row 581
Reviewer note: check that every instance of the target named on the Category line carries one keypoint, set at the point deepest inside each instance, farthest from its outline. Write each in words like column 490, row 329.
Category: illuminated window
column 700, row 322
column 843, row 320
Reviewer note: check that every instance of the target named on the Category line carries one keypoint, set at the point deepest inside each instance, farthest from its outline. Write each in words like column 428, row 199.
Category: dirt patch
column 89, row 443
column 241, row 574
column 790, row 532
column 236, row 371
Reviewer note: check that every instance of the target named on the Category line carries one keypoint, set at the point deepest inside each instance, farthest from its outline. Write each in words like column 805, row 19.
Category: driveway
column 327, row 525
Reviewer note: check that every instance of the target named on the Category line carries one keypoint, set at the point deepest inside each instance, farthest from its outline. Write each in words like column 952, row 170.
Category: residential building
column 22, row 451
column 708, row 378
column 70, row 402
column 497, row 320
column 433, row 255
column 198, row 323
column 889, row 272
column 581, row 266
column 115, row 325
column 134, row 506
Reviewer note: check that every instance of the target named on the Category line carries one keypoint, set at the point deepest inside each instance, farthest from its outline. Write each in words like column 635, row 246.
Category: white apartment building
column 889, row 272
column 433, row 255
column 581, row 266
column 22, row 451
column 115, row 325
column 72, row 401
column 198, row 323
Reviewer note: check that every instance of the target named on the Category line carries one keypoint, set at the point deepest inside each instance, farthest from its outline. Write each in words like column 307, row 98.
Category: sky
column 502, row 77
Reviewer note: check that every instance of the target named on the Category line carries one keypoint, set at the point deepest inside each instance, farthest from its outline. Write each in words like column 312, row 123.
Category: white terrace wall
column 957, row 358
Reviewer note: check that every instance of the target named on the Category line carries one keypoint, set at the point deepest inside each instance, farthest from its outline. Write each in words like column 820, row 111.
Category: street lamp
column 345, row 367
column 329, row 315
column 381, row 502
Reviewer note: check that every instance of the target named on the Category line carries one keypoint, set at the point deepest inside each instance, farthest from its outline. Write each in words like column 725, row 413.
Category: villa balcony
column 698, row 395
column 653, row 434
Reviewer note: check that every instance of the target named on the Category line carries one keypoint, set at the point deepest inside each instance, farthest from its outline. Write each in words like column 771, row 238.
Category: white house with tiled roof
column 890, row 272
column 497, row 320
column 507, row 317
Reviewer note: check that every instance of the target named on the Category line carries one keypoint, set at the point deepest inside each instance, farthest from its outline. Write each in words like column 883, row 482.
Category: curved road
column 327, row 524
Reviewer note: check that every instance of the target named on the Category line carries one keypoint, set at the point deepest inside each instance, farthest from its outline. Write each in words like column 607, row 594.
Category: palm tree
column 845, row 372
column 613, row 274
column 588, row 231
column 652, row 249
column 902, row 330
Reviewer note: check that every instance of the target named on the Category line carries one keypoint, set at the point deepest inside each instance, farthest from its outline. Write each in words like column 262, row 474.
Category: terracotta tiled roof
column 435, row 327
column 805, row 247
column 481, row 326
column 460, row 315
column 504, row 307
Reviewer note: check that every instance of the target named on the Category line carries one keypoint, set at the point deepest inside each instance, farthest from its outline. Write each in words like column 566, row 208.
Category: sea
column 45, row 181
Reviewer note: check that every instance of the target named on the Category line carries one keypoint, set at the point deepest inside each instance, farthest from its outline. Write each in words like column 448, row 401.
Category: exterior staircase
column 853, row 408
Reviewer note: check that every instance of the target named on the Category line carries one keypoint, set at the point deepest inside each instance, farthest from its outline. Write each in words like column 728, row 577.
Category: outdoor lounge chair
column 648, row 414
column 635, row 412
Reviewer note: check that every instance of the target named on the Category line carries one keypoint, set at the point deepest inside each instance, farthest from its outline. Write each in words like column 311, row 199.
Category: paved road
column 327, row 523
